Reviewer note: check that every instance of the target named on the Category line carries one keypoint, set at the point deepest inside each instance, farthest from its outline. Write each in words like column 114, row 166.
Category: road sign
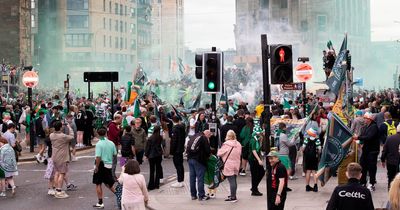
column 292, row 86
column 30, row 79
column 304, row 72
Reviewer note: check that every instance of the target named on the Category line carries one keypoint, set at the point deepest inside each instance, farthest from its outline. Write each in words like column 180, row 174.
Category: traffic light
column 199, row 66
column 212, row 72
column 281, row 64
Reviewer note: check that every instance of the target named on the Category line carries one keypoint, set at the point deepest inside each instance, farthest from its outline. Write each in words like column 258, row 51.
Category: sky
column 210, row 22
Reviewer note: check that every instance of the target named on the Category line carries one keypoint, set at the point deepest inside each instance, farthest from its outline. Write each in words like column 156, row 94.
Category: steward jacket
column 351, row 196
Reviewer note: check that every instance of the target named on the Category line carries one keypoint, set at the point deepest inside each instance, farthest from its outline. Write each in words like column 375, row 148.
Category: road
column 32, row 191
column 32, row 187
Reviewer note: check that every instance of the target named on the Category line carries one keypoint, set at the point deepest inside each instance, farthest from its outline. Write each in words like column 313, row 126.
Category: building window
column 110, row 42
column 116, row 42
column 116, row 25
column 110, row 6
column 104, row 23
column 126, row 43
column 133, row 44
column 104, row 5
column 77, row 56
column 133, row 28
column 321, row 21
column 133, row 12
column 121, row 43
column 104, row 40
column 78, row 21
column 121, row 10
column 264, row 4
column 116, row 8
column 284, row 4
column 121, row 26
column 109, row 24
column 77, row 40
column 77, row 5
column 126, row 26
column 126, row 10
column 33, row 25
column 33, row 4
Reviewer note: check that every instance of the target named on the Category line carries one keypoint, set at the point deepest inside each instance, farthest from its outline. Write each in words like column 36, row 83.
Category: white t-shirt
column 192, row 123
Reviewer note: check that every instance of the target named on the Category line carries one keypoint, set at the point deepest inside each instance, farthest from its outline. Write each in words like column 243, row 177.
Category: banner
column 339, row 106
column 293, row 127
column 337, row 75
column 336, row 146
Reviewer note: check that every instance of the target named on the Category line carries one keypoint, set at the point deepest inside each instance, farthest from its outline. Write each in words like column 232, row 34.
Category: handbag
column 18, row 146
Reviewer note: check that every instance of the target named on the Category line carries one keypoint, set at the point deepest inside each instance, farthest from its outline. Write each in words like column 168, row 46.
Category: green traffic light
column 211, row 85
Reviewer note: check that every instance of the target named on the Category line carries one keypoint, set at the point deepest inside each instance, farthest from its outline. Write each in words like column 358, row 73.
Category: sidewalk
column 27, row 156
column 179, row 198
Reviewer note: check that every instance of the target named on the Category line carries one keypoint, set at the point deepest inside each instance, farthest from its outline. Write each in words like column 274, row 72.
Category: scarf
column 277, row 137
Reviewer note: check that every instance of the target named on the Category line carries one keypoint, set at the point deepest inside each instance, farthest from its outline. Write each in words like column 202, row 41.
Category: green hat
column 273, row 154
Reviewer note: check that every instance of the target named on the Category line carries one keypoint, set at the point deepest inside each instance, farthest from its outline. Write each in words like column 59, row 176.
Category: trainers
column 71, row 187
column 51, row 192
column 308, row 188
column 293, row 177
column 232, row 200
column 315, row 189
column 61, row 194
column 99, row 206
column 205, row 198
column 177, row 185
column 242, row 172
column 256, row 193
column 194, row 198
column 161, row 181
column 13, row 191
column 2, row 194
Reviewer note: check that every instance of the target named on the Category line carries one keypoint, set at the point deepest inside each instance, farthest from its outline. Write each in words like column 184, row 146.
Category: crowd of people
column 155, row 132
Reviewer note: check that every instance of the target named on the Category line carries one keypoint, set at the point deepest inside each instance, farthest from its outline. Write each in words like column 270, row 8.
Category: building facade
column 305, row 24
column 15, row 32
column 144, row 30
column 87, row 35
column 167, row 36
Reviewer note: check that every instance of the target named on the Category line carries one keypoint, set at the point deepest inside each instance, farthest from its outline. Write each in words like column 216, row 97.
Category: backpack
column 391, row 129
column 193, row 145
column 310, row 151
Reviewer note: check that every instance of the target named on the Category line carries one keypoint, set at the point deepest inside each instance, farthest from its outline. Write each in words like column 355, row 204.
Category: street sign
column 304, row 72
column 292, row 86
column 30, row 79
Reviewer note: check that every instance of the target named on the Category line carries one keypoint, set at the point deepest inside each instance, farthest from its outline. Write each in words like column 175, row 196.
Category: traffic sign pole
column 31, row 134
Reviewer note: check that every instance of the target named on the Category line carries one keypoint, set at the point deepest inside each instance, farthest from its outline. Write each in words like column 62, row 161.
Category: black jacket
column 154, row 146
column 239, row 123
column 390, row 152
column 178, row 139
column 351, row 196
column 370, row 138
column 202, row 153
column 127, row 141
column 225, row 128
column 39, row 128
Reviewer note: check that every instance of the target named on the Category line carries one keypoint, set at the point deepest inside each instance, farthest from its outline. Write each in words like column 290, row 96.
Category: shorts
column 103, row 175
column 61, row 168
column 285, row 161
column 40, row 140
column 245, row 152
column 2, row 174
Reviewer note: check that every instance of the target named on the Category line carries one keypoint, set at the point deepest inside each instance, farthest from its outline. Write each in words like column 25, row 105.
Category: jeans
column 178, row 163
column 392, row 170
column 155, row 172
column 232, row 185
column 368, row 163
column 257, row 173
column 196, row 172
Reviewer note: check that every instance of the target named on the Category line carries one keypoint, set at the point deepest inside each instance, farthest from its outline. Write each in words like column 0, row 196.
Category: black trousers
column 155, row 173
column 392, row 170
column 257, row 173
column 292, row 157
column 271, row 202
column 368, row 163
column 178, row 163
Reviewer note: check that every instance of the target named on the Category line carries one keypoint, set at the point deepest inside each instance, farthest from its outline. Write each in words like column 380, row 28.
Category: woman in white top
column 134, row 191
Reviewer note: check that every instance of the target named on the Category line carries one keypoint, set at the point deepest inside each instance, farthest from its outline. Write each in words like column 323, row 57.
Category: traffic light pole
column 267, row 100
column 214, row 96
column 31, row 134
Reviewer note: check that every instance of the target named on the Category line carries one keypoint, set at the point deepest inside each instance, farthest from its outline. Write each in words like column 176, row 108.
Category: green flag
column 136, row 109
column 128, row 91
column 286, row 104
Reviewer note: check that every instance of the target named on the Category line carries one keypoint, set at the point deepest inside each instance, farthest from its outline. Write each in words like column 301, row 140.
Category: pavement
column 32, row 190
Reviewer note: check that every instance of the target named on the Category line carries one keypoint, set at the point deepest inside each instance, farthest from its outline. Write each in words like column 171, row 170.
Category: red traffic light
column 283, row 54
